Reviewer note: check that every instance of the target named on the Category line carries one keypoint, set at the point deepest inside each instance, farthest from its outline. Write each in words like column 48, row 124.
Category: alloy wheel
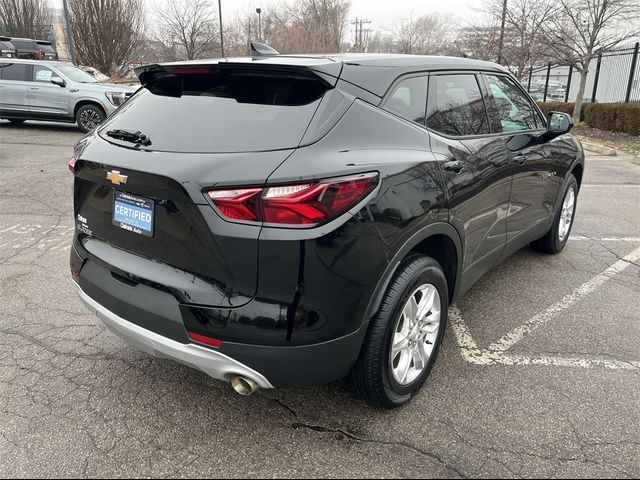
column 566, row 215
column 90, row 118
column 415, row 334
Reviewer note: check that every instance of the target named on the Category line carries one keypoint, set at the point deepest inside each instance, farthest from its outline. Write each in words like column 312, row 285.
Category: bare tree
column 579, row 30
column 106, row 33
column 311, row 26
column 524, row 20
column 427, row 34
column 479, row 42
column 24, row 18
column 191, row 26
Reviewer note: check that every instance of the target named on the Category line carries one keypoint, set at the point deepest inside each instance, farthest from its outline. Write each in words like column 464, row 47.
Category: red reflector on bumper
column 212, row 342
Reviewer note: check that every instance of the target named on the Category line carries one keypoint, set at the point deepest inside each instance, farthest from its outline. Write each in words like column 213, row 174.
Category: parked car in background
column 293, row 220
column 48, row 52
column 7, row 49
column 27, row 48
column 56, row 91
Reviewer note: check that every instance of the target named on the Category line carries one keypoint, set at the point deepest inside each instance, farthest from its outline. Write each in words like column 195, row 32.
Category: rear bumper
column 268, row 366
column 211, row 362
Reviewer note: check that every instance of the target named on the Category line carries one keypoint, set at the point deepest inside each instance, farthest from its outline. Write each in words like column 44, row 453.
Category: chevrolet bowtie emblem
column 114, row 177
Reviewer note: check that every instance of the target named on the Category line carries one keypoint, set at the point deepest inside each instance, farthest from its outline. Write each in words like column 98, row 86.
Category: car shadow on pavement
column 41, row 126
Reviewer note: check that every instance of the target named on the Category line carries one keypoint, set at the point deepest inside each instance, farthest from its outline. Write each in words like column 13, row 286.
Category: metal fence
column 613, row 77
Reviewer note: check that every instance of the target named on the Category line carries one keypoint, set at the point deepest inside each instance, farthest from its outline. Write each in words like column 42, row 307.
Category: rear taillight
column 212, row 342
column 305, row 204
column 72, row 164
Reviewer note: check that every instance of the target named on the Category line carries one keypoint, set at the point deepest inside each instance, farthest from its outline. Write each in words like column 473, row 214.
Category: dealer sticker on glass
column 132, row 213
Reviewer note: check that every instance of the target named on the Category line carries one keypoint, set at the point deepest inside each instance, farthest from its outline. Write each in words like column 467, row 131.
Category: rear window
column 24, row 44
column 46, row 47
column 202, row 111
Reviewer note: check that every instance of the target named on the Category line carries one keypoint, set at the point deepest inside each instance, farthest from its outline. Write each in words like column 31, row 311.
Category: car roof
column 374, row 72
column 30, row 60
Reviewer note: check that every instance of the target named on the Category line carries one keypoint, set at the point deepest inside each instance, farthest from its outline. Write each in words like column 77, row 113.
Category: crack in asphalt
column 351, row 436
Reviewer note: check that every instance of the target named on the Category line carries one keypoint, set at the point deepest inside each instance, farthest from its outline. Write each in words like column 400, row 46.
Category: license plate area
column 132, row 213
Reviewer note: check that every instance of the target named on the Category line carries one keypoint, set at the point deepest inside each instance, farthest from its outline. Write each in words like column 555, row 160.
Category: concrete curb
column 600, row 149
column 636, row 160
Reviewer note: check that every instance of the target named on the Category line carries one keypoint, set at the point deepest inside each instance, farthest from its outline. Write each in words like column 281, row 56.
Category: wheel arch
column 442, row 242
column 577, row 171
column 82, row 103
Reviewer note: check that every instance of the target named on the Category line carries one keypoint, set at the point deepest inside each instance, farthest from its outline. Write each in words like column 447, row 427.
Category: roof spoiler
column 262, row 50
column 151, row 73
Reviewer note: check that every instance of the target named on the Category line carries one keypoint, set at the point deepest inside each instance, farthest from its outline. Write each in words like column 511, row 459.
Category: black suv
column 294, row 220
column 28, row 48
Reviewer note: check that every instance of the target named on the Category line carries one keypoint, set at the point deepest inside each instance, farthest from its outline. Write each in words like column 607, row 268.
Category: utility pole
column 355, row 43
column 70, row 45
column 504, row 18
column 360, row 41
column 221, row 33
column 259, row 11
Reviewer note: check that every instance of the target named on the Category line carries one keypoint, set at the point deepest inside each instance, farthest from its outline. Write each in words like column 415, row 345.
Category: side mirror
column 58, row 81
column 559, row 123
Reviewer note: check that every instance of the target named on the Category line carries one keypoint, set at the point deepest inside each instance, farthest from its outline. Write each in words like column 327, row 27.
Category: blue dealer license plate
column 132, row 213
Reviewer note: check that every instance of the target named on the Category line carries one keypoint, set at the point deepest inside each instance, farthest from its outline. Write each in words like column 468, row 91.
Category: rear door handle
column 34, row 88
column 454, row 166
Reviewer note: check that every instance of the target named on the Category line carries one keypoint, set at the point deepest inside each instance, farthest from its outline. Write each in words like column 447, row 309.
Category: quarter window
column 456, row 106
column 409, row 99
column 509, row 105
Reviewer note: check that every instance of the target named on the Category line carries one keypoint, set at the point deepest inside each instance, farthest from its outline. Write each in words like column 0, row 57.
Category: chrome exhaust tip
column 244, row 386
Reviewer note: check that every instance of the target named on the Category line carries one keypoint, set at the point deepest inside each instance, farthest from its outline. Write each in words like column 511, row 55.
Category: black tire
column 371, row 377
column 551, row 242
column 89, row 116
column 17, row 121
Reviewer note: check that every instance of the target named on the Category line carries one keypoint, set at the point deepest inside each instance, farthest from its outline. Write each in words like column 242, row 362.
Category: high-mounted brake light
column 305, row 204
column 190, row 70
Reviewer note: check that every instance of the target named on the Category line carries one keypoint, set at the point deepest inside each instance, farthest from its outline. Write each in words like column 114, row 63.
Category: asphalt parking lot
column 539, row 375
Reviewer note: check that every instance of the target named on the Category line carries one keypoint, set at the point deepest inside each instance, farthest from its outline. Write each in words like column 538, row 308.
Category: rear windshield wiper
column 138, row 137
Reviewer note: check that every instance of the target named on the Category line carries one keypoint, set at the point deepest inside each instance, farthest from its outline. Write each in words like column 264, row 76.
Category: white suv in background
column 56, row 91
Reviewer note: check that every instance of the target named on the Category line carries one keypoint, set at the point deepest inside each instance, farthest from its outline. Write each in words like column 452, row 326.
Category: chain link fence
column 614, row 77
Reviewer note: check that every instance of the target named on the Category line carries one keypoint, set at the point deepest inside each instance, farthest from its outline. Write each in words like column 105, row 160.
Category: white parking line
column 606, row 239
column 511, row 338
column 497, row 353
column 610, row 185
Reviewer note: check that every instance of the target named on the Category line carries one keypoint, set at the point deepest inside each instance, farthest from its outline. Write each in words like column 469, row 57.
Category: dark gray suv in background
column 293, row 220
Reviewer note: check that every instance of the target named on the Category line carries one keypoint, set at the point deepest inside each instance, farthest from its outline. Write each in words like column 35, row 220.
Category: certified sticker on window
column 43, row 75
column 132, row 213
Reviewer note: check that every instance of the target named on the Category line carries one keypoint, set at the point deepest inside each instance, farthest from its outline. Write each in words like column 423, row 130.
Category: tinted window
column 409, row 99
column 24, row 44
column 42, row 74
column 14, row 71
column 511, row 108
column 456, row 106
column 227, row 112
